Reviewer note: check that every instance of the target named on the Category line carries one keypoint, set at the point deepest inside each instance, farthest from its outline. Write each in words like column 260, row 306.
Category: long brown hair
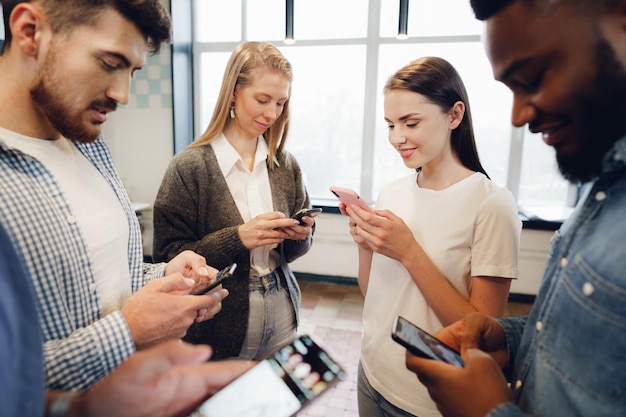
column 438, row 81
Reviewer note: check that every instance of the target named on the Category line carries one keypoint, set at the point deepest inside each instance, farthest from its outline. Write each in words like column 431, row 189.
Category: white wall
column 140, row 135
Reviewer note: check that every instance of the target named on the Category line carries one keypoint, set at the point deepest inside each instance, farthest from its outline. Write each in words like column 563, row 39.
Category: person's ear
column 456, row 113
column 26, row 22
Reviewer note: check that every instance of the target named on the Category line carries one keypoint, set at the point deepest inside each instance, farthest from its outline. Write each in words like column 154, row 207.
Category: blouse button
column 518, row 384
column 600, row 196
column 563, row 262
column 588, row 288
column 539, row 326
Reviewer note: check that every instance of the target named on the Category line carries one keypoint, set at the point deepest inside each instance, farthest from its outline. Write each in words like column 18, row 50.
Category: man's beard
column 55, row 105
column 604, row 110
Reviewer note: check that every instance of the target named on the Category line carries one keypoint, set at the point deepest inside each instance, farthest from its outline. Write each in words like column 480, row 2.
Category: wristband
column 61, row 405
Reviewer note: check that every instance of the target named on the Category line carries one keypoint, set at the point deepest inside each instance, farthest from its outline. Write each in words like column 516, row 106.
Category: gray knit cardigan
column 195, row 210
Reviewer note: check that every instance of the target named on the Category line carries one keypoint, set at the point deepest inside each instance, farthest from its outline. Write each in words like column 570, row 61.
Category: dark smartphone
column 206, row 286
column 306, row 213
column 278, row 386
column 421, row 343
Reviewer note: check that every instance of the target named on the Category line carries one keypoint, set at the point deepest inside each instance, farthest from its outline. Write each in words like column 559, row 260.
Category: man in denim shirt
column 565, row 61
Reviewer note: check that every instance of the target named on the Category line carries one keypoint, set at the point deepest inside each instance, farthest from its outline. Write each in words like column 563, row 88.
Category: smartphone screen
column 206, row 286
column 279, row 385
column 421, row 343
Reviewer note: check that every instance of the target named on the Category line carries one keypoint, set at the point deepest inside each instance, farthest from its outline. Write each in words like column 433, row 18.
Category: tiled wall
column 152, row 85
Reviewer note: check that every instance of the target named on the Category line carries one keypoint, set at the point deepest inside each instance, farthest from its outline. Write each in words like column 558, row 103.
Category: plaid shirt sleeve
column 80, row 346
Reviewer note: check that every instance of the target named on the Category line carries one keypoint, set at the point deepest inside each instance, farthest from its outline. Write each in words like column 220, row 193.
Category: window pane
column 265, row 20
column 541, row 184
column 430, row 18
column 329, row 19
column 217, row 20
column 212, row 66
column 326, row 130
column 490, row 104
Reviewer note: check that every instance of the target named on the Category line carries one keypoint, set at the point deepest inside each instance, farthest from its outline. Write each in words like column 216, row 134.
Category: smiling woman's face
column 418, row 129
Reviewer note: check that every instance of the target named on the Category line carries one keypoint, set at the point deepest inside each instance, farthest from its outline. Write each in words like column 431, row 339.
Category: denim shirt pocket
column 584, row 336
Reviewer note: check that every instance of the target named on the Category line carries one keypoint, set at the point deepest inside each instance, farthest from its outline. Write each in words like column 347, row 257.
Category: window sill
column 530, row 220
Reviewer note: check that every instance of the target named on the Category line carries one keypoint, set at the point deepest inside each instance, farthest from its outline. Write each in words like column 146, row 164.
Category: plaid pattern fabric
column 80, row 346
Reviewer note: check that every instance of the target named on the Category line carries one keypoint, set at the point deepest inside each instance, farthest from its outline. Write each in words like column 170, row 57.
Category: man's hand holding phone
column 205, row 286
column 481, row 379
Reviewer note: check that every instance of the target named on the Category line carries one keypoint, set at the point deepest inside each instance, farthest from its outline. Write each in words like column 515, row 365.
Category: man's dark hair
column 150, row 16
column 484, row 9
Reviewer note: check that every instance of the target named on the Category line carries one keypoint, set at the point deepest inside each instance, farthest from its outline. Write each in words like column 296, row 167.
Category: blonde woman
column 230, row 195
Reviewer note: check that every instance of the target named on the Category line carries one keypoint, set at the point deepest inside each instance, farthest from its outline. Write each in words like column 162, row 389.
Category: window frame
column 373, row 41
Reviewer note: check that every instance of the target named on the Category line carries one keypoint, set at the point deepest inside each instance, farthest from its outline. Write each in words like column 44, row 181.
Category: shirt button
column 563, row 262
column 617, row 156
column 588, row 288
column 539, row 326
column 600, row 195
column 518, row 384
column 92, row 287
column 71, row 219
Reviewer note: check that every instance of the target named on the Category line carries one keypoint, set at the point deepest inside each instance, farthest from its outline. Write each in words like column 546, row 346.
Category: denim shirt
column 568, row 358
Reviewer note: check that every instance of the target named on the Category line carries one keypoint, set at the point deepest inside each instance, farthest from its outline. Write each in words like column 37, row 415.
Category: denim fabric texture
column 21, row 356
column 271, row 323
column 571, row 360
column 372, row 403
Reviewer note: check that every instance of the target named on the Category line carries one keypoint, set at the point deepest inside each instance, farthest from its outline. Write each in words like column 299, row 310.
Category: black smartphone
column 421, row 343
column 312, row 212
column 278, row 386
column 206, row 286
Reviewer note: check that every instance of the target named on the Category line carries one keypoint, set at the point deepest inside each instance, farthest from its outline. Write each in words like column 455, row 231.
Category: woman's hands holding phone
column 271, row 229
column 381, row 231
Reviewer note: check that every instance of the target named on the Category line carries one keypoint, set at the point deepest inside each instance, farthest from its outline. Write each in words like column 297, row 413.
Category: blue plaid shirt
column 80, row 346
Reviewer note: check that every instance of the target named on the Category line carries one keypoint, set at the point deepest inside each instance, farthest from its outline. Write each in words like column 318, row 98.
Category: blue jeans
column 271, row 323
column 371, row 403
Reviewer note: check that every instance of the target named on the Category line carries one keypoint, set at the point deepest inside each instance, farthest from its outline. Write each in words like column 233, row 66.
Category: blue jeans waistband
column 271, row 281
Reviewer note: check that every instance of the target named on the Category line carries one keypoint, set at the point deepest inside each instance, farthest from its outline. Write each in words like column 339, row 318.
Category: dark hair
column 438, row 81
column 485, row 9
column 149, row 16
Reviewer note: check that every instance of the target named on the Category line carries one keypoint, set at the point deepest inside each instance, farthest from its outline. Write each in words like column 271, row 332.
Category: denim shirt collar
column 615, row 158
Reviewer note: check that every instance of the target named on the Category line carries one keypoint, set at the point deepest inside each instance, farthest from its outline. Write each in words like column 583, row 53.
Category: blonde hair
column 239, row 73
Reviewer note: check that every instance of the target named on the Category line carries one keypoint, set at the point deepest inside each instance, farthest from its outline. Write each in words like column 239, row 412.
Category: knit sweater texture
column 194, row 210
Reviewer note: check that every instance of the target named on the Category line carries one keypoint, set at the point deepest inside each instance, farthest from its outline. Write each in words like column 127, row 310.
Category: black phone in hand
column 206, row 286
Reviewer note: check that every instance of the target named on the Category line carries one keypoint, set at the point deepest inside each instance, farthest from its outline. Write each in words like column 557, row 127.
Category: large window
column 344, row 53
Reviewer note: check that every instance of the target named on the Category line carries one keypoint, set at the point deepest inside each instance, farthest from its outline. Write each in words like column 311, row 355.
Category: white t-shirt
column 469, row 229
column 96, row 208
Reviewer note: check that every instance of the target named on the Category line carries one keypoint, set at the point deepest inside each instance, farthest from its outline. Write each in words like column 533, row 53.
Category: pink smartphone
column 348, row 196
